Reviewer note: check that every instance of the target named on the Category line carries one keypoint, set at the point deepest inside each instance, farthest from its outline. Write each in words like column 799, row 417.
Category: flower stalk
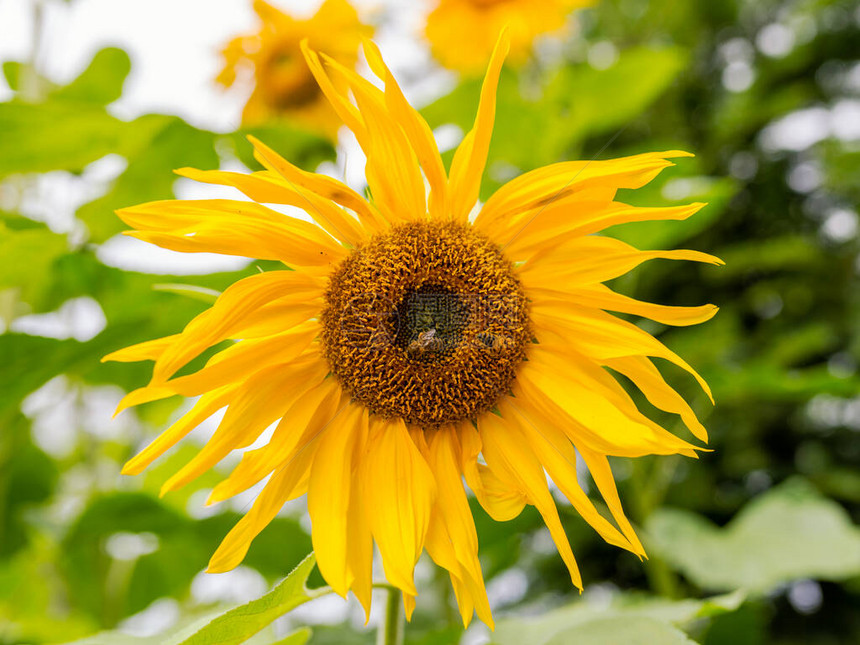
column 391, row 627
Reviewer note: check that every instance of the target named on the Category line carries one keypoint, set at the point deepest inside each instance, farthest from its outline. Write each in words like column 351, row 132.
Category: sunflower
column 407, row 349
column 462, row 33
column 283, row 83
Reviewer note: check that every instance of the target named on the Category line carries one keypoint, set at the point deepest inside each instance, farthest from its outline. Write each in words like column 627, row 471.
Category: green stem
column 391, row 628
column 648, row 493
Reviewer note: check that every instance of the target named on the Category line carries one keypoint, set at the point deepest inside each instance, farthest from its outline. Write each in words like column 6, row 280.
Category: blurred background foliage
column 755, row 542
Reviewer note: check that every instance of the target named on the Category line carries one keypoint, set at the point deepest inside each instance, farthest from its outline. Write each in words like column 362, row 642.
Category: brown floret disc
column 427, row 322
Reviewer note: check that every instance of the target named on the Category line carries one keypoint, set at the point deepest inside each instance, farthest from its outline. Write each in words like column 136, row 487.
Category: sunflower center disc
column 426, row 322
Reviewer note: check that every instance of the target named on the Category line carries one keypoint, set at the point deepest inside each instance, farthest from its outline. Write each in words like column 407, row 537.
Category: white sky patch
column 160, row 616
column 775, row 40
column 131, row 254
column 79, row 318
column 242, row 584
column 738, row 76
column 840, row 225
column 602, row 55
column 802, row 129
column 798, row 130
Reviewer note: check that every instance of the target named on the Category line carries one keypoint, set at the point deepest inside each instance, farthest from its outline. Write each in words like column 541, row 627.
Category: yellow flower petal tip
column 377, row 422
column 129, row 469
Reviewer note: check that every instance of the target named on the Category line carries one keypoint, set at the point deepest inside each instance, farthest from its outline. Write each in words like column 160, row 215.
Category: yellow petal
column 543, row 186
column 392, row 169
column 289, row 185
column 568, row 218
column 443, row 456
column 143, row 395
column 232, row 227
column 507, row 451
column 603, row 417
column 149, row 350
column 593, row 259
column 259, row 401
column 323, row 188
column 501, row 500
column 556, row 453
column 329, row 491
column 231, row 312
column 206, row 406
column 281, row 488
column 470, row 159
column 243, row 359
column 400, row 491
column 419, row 134
column 408, row 605
column 648, row 379
column 600, row 296
column 345, row 110
column 600, row 336
column 301, row 425
column 452, row 541
column 359, row 547
column 598, row 466
column 596, row 400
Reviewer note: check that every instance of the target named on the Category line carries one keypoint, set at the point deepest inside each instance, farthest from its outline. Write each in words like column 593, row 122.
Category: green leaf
column 300, row 147
column 788, row 533
column 31, row 361
column 236, row 625
column 29, row 256
column 298, row 637
column 12, row 71
column 27, row 596
column 638, row 630
column 27, row 477
column 531, row 131
column 93, row 576
column 629, row 619
column 640, row 75
column 55, row 136
column 101, row 82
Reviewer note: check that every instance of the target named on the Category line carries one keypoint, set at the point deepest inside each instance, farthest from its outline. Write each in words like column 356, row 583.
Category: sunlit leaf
column 29, row 256
column 302, row 148
column 55, row 136
column 28, row 477
column 12, row 71
column 629, row 619
column 102, row 80
column 788, row 533
column 238, row 624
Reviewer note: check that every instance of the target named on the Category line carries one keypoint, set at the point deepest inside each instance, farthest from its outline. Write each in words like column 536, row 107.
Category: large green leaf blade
column 789, row 533
column 639, row 630
column 55, row 136
column 629, row 619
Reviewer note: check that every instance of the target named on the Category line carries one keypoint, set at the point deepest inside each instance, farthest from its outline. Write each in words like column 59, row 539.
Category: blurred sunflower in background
column 283, row 86
column 462, row 33
column 413, row 343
